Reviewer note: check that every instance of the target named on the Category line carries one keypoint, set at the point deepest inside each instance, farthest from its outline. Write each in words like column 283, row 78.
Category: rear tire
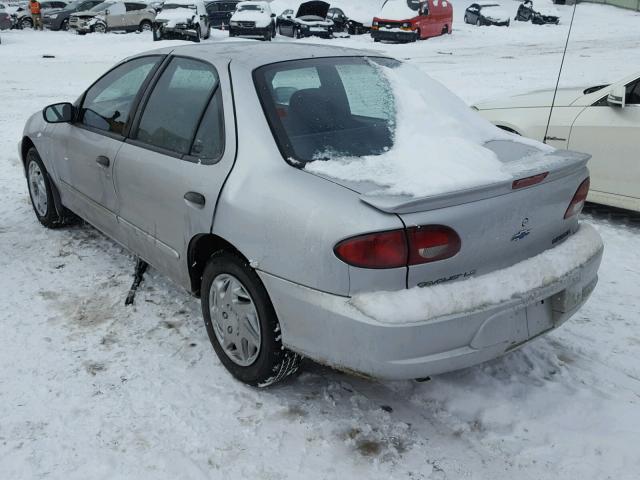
column 145, row 26
column 270, row 362
column 41, row 191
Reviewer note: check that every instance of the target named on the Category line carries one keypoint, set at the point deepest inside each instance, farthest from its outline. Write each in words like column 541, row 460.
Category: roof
column 254, row 55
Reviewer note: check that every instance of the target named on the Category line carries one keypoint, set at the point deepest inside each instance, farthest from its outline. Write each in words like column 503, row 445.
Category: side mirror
column 273, row 15
column 288, row 17
column 58, row 113
column 617, row 96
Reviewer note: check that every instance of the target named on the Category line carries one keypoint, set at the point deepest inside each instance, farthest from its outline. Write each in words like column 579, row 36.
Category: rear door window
column 176, row 106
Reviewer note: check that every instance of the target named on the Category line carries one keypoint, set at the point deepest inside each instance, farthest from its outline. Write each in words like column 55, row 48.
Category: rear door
column 133, row 15
column 170, row 173
column 612, row 135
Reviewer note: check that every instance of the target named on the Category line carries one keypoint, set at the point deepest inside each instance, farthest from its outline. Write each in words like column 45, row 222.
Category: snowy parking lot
column 91, row 389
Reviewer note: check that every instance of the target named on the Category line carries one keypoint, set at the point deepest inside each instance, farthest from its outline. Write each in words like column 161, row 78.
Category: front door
column 612, row 135
column 89, row 145
column 170, row 173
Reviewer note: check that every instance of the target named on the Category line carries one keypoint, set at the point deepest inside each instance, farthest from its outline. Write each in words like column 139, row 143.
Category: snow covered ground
column 91, row 389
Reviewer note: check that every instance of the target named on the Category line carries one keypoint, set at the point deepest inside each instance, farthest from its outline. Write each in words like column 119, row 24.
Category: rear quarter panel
column 287, row 221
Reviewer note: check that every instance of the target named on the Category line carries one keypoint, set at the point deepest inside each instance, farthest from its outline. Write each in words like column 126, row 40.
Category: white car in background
column 182, row 19
column 253, row 19
column 603, row 121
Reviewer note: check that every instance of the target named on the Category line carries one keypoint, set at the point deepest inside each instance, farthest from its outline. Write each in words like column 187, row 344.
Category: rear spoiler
column 558, row 164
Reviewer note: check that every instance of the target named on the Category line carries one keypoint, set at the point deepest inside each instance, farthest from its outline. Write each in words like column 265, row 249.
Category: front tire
column 242, row 324
column 198, row 34
column 65, row 25
column 41, row 191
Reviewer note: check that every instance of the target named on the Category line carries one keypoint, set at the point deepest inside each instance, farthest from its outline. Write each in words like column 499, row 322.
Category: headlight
column 406, row 25
column 375, row 23
column 53, row 16
column 234, row 24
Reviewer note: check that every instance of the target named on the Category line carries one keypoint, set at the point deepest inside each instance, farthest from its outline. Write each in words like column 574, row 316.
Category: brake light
column 578, row 200
column 432, row 243
column 374, row 250
column 399, row 248
column 528, row 181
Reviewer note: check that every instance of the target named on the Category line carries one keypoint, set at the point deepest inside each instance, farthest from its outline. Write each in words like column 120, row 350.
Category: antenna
column 555, row 92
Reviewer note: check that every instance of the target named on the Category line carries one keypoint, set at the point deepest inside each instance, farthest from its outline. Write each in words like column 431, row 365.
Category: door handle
column 103, row 161
column 195, row 198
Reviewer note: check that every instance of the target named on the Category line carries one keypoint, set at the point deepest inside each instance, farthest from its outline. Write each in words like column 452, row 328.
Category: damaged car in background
column 182, row 19
column 486, row 13
column 374, row 223
column 114, row 16
column 526, row 13
column 253, row 20
column 310, row 20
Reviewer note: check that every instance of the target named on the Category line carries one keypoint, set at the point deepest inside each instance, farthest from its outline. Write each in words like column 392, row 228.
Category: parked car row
column 490, row 13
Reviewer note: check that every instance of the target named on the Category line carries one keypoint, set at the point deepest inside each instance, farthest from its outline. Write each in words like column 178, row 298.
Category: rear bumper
column 330, row 330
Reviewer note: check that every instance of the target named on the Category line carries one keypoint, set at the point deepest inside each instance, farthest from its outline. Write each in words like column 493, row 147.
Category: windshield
column 73, row 5
column 320, row 106
column 244, row 8
column 102, row 6
column 173, row 6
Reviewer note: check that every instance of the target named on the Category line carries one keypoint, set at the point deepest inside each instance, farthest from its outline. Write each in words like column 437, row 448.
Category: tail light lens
column 578, row 200
column 399, row 248
column 375, row 250
column 432, row 243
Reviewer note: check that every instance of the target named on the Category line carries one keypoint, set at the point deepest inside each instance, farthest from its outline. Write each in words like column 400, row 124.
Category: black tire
column 157, row 35
column 26, row 23
column 198, row 34
column 50, row 217
column 274, row 362
column 273, row 32
column 65, row 25
column 267, row 36
column 376, row 40
column 145, row 25
column 478, row 23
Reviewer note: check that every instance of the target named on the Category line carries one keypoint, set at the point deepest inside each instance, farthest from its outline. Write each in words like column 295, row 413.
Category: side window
column 633, row 93
column 208, row 144
column 107, row 104
column 176, row 105
column 287, row 82
column 131, row 7
column 212, row 7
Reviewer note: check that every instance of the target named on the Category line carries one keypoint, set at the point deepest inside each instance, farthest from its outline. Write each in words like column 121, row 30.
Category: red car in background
column 411, row 20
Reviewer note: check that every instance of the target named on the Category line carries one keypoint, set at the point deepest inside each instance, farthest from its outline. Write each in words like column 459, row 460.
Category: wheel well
column 507, row 129
column 201, row 247
column 26, row 145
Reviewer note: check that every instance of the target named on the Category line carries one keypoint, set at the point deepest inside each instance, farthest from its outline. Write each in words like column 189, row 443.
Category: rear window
column 319, row 108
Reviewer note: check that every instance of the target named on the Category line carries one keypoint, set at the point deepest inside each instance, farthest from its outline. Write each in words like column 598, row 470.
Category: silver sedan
column 200, row 160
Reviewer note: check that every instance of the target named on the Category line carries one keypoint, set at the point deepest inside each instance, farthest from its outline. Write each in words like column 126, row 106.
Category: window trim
column 132, row 136
column 134, row 105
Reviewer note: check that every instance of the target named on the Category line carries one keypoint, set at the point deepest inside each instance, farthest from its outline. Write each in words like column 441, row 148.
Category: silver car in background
column 193, row 158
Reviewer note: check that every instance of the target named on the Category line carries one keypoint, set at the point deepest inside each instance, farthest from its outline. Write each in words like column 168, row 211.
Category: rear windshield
column 320, row 108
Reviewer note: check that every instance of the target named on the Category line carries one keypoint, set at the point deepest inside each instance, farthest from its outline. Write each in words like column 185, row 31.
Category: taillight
column 374, row 250
column 432, row 243
column 578, row 200
column 399, row 248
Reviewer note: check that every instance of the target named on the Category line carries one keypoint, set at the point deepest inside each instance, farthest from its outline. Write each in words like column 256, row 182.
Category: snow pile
column 176, row 15
column 438, row 144
column 421, row 304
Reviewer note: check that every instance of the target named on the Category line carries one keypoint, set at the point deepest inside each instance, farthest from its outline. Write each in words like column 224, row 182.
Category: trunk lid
column 497, row 224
